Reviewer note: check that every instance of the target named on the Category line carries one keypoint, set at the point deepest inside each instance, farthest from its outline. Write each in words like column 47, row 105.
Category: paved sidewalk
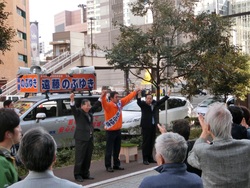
column 126, row 181
column 133, row 174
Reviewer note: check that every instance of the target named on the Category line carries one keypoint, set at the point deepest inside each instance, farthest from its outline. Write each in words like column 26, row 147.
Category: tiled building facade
column 19, row 55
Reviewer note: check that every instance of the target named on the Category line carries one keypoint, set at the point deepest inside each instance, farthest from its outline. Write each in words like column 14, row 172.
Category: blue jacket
column 173, row 175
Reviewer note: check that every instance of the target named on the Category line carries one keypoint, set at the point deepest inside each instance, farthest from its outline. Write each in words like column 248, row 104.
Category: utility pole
column 91, row 38
column 83, row 12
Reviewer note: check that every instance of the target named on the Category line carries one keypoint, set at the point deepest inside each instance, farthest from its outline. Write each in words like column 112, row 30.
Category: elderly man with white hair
column 171, row 149
column 225, row 162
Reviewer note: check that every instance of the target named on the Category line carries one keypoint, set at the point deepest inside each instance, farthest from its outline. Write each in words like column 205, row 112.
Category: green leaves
column 7, row 33
column 197, row 48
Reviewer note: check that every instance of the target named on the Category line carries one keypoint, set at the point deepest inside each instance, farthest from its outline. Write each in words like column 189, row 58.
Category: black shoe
column 109, row 169
column 79, row 178
column 118, row 168
column 152, row 161
column 88, row 178
column 146, row 162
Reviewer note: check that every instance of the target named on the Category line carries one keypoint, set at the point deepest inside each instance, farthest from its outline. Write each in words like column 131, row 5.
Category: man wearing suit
column 225, row 162
column 149, row 120
column 37, row 151
column 83, row 137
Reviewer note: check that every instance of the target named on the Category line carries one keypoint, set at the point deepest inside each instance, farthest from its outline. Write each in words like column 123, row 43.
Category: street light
column 91, row 36
column 83, row 12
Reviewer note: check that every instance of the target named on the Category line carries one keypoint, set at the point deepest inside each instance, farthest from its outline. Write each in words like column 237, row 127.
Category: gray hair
column 37, row 150
column 220, row 120
column 172, row 147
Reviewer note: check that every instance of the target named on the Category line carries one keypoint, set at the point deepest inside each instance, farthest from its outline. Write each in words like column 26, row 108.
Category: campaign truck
column 48, row 103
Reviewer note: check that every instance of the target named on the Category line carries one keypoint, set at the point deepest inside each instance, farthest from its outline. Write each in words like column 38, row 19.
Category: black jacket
column 147, row 113
column 238, row 131
column 84, row 122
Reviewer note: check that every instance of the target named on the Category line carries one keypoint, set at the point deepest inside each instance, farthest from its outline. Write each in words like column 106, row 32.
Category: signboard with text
column 56, row 83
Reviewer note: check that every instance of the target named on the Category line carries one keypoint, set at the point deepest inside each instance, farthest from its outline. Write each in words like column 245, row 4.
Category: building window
column 22, row 57
column 21, row 12
column 22, row 35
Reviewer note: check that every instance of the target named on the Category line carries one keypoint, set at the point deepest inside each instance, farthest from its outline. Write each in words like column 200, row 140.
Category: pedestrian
column 112, row 125
column 246, row 120
column 83, row 137
column 238, row 131
column 149, row 120
column 38, row 154
column 10, row 133
column 182, row 127
column 8, row 104
column 225, row 162
column 171, row 149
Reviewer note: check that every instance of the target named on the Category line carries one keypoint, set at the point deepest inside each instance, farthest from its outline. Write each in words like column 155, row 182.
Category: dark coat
column 191, row 169
column 238, row 131
column 172, row 175
column 147, row 113
column 84, row 122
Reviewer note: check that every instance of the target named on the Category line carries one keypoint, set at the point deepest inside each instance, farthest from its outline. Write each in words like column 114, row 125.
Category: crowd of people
column 219, row 158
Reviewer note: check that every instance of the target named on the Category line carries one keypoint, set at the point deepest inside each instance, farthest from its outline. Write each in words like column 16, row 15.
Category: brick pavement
column 134, row 172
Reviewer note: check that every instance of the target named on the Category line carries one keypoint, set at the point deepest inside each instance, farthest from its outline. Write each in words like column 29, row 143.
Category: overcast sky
column 43, row 12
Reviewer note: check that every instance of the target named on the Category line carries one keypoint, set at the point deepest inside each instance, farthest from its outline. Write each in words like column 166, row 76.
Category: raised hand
column 161, row 128
column 205, row 127
column 169, row 92
column 104, row 92
column 72, row 97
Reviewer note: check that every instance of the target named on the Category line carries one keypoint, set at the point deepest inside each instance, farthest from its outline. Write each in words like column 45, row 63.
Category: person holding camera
column 225, row 162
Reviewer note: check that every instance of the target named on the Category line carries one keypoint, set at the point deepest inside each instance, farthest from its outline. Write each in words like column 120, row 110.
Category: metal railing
column 57, row 60
column 64, row 63
column 54, row 66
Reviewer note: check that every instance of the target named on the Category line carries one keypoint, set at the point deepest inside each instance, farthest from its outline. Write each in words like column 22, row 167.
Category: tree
column 231, row 76
column 193, row 46
column 222, row 68
column 7, row 33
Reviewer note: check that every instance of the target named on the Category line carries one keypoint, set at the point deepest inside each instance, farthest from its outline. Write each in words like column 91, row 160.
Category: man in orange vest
column 112, row 125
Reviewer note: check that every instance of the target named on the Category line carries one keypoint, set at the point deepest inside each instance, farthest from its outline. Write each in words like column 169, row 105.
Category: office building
column 217, row 6
column 238, row 11
column 70, row 21
column 19, row 54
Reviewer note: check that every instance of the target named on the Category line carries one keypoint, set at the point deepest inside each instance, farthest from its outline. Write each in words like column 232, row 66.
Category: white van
column 14, row 98
column 54, row 114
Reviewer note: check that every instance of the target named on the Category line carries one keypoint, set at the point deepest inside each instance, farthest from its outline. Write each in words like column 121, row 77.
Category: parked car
column 54, row 114
column 14, row 98
column 178, row 108
column 203, row 106
column 201, row 92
